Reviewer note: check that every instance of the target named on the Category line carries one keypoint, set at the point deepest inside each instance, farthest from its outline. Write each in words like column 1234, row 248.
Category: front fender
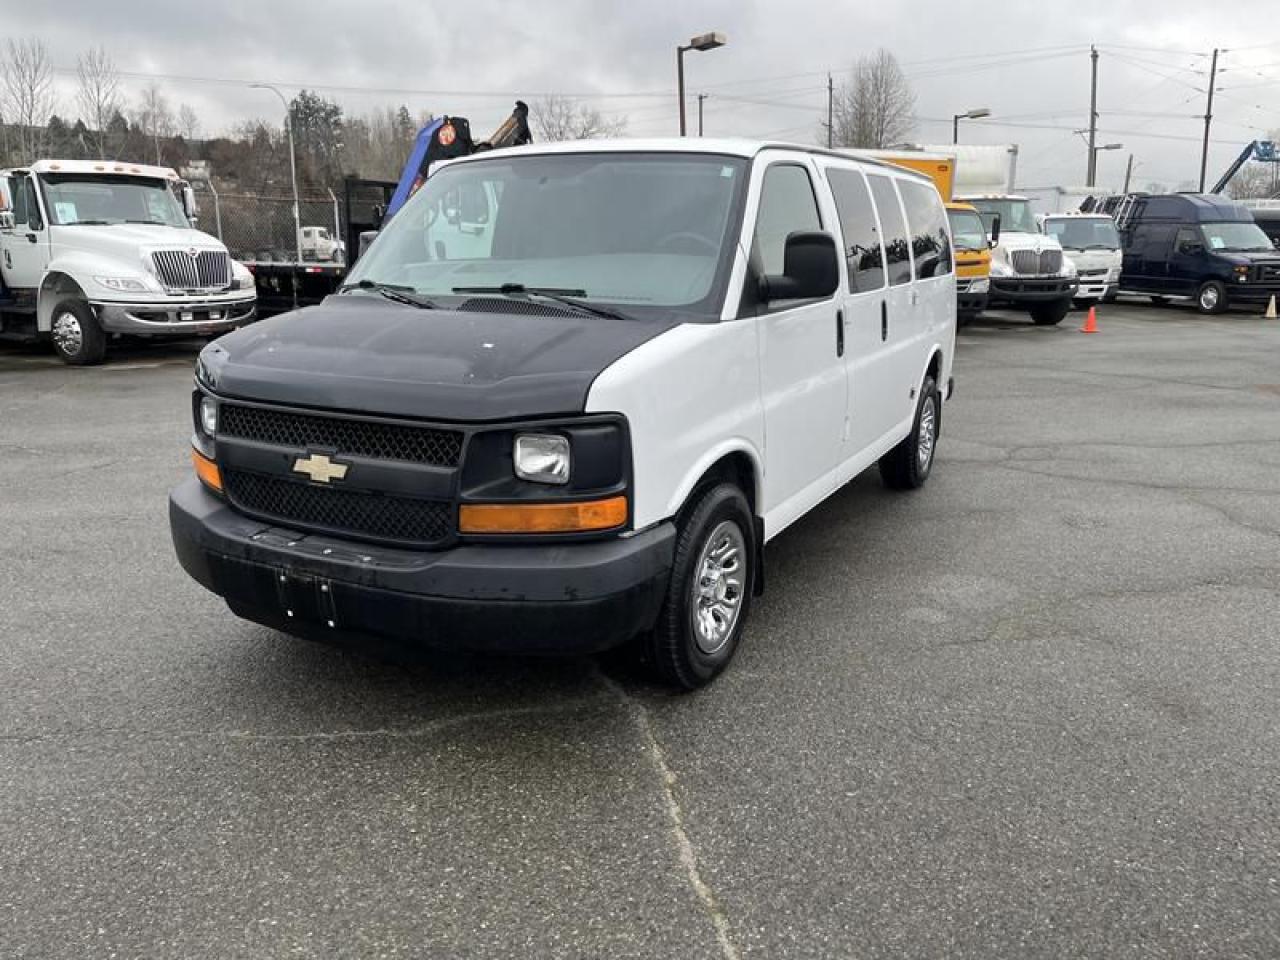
column 71, row 274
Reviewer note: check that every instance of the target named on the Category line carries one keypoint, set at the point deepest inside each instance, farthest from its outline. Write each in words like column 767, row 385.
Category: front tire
column 1051, row 313
column 1212, row 297
column 709, row 594
column 907, row 466
column 77, row 337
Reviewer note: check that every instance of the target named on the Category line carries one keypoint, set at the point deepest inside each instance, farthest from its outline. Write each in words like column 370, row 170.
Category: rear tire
column 709, row 594
column 907, row 466
column 1050, row 313
column 77, row 337
column 1211, row 297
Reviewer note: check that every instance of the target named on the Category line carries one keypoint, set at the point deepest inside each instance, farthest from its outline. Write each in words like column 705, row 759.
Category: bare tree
column 26, row 92
column 154, row 117
column 875, row 108
column 98, row 95
column 188, row 122
column 563, row 118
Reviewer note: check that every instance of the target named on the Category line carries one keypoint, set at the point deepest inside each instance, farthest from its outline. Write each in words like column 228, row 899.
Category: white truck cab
column 316, row 243
column 580, row 426
column 91, row 249
column 1092, row 243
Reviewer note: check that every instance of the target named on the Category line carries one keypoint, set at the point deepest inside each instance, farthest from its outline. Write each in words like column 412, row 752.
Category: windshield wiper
column 151, row 223
column 392, row 291
column 565, row 295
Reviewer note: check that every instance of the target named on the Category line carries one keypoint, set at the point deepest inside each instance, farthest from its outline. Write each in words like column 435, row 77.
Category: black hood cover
column 361, row 353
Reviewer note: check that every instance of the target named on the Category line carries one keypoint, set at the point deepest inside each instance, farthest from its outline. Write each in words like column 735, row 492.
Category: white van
column 580, row 426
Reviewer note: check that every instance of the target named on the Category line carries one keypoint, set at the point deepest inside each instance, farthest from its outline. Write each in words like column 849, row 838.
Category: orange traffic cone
column 1090, row 322
column 1271, row 309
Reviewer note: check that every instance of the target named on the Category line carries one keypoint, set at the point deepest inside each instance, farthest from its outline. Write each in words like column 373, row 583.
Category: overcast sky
column 1027, row 61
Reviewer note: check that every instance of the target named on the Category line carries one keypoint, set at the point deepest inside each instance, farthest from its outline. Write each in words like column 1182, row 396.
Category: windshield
column 1083, row 233
column 967, row 232
column 1235, row 237
column 1015, row 215
column 635, row 229
column 82, row 198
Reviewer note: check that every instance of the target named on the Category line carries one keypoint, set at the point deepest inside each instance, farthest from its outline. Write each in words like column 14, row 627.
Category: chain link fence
column 260, row 228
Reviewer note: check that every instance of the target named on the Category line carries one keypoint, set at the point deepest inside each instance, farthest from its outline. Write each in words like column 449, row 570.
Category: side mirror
column 6, row 220
column 189, row 206
column 810, row 269
column 995, row 229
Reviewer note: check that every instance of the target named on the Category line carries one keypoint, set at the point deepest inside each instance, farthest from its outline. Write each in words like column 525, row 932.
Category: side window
column 18, row 191
column 787, row 205
column 857, row 215
column 927, row 220
column 1186, row 241
column 896, row 245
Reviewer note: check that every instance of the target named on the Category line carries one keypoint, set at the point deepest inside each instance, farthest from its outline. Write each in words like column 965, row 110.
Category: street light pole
column 293, row 168
column 706, row 41
column 977, row 113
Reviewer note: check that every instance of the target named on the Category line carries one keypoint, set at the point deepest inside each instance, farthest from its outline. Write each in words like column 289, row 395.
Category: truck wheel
column 907, row 465
column 1212, row 297
column 1048, row 314
column 77, row 337
column 709, row 594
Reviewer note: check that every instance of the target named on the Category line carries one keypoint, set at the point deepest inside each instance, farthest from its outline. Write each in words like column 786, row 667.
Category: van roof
column 728, row 146
column 1195, row 207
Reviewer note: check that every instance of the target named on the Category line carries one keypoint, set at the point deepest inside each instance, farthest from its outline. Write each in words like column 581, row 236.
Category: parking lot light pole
column 293, row 168
column 706, row 41
column 1093, row 159
column 977, row 113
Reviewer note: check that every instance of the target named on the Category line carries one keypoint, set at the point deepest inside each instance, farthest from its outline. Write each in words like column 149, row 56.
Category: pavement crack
column 675, row 814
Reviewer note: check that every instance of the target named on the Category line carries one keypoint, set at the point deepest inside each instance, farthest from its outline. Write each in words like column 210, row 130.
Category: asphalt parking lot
column 1029, row 711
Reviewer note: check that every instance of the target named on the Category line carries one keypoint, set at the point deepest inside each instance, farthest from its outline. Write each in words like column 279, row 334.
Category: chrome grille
column 1030, row 263
column 179, row 270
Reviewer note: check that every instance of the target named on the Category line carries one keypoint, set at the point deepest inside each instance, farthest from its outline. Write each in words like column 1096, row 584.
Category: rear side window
column 857, row 216
column 896, row 245
column 927, row 220
column 787, row 205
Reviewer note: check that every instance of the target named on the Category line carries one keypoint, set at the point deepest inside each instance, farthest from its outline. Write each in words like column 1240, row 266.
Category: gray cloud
column 473, row 55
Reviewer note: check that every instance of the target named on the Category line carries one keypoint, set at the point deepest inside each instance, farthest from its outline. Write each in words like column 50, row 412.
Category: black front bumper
column 1032, row 290
column 535, row 598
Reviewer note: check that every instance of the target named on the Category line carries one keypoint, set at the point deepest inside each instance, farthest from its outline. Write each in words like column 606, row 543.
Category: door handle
column 839, row 333
column 884, row 320
column 31, row 238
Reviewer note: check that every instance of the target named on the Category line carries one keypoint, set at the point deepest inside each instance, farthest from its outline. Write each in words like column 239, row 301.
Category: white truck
column 1028, row 268
column 96, row 249
column 1093, row 244
column 316, row 243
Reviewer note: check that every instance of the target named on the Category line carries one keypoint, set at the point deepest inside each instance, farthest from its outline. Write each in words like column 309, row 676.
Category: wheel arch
column 737, row 463
column 55, row 286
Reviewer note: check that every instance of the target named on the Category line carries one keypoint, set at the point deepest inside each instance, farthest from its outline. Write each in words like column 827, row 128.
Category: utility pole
column 701, row 97
column 1208, row 117
column 1092, row 173
column 831, row 98
column 1128, row 175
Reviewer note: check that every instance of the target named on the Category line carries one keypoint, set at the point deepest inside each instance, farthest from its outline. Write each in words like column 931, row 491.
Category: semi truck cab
column 94, row 249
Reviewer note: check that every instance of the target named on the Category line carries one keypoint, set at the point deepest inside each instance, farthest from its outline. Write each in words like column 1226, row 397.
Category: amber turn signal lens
column 543, row 517
column 206, row 470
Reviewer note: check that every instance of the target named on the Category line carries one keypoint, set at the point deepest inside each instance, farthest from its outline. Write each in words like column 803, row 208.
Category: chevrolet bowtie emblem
column 320, row 468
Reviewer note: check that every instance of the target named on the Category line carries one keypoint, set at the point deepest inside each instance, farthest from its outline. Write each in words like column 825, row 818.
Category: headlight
column 209, row 416
column 981, row 285
column 1242, row 274
column 542, row 458
column 1001, row 269
column 122, row 284
column 1069, row 268
column 241, row 276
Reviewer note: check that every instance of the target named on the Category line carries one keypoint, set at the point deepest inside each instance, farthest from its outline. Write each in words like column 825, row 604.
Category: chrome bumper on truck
column 1032, row 289
column 158, row 318
column 519, row 598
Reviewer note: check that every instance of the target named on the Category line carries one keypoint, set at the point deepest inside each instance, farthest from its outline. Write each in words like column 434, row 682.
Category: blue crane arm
column 1263, row 151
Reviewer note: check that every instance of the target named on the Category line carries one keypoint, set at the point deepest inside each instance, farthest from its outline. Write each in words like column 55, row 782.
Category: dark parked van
column 1199, row 246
